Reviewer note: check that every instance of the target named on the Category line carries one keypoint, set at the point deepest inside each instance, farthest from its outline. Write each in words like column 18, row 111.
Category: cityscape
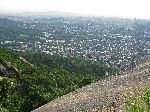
column 119, row 42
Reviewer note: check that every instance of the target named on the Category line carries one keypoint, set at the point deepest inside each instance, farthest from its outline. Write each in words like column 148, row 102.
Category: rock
column 6, row 69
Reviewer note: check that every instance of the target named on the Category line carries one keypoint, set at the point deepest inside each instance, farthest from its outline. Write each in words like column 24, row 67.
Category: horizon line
column 9, row 12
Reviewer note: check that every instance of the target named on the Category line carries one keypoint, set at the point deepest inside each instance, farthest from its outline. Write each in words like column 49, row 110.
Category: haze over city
column 119, row 8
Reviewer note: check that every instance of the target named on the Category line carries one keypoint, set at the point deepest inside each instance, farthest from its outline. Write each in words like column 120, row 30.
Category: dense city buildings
column 117, row 41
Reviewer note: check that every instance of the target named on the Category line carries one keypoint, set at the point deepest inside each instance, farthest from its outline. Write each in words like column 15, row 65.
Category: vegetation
column 139, row 104
column 43, row 78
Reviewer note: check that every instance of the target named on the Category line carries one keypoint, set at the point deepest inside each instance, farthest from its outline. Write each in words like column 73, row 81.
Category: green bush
column 147, row 97
column 139, row 105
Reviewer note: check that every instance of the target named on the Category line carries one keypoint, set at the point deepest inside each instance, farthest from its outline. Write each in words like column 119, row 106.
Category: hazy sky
column 126, row 8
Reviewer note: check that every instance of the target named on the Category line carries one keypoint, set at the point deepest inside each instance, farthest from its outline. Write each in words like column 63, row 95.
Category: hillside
column 109, row 94
column 30, row 79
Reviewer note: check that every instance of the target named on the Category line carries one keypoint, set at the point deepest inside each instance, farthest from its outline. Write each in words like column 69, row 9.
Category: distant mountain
column 39, row 14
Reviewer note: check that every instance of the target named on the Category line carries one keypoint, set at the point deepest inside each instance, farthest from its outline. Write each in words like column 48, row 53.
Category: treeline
column 43, row 78
column 71, row 64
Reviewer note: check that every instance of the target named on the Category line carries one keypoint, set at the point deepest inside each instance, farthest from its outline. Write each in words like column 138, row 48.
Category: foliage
column 147, row 97
column 141, row 104
column 44, row 77
column 71, row 64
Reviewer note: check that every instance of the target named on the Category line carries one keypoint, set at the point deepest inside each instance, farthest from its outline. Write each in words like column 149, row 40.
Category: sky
column 120, row 8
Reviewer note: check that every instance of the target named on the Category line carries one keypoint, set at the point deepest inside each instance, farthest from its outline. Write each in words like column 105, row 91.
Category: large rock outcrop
column 6, row 69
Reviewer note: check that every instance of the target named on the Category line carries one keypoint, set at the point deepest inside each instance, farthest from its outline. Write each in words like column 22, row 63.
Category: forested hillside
column 31, row 79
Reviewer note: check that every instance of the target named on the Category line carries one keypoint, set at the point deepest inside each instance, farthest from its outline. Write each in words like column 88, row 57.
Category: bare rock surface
column 7, row 69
